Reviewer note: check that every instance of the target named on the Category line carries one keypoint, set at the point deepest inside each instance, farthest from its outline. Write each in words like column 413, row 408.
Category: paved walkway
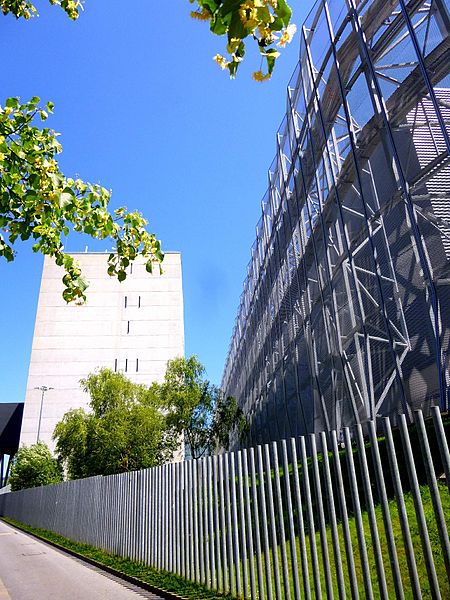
column 33, row 570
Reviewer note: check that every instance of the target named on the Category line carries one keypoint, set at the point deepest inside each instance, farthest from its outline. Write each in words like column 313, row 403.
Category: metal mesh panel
column 344, row 310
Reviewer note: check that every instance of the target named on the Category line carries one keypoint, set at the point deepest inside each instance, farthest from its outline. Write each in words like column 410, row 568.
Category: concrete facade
column 134, row 327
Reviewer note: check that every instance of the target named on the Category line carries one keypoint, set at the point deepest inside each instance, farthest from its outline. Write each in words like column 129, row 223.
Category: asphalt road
column 33, row 570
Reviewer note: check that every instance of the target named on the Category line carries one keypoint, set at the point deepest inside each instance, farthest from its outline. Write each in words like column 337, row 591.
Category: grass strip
column 168, row 585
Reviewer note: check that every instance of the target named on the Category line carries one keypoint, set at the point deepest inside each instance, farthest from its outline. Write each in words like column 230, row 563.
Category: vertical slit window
column 115, row 365
column 137, row 365
column 126, row 300
column 126, row 365
column 139, row 302
column 128, row 326
column 131, row 268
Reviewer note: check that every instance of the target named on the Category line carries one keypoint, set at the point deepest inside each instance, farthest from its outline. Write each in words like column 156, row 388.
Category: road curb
column 119, row 574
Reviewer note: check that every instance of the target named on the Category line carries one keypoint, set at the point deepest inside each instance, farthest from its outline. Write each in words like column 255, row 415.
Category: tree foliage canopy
column 26, row 9
column 34, row 466
column 267, row 22
column 37, row 201
column 125, row 429
column 197, row 409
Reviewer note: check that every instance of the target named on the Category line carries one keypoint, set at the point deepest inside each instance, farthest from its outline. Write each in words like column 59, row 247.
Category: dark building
column 345, row 313
column 10, row 424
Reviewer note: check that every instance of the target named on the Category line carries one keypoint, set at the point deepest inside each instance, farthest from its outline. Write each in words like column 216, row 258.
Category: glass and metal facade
column 345, row 313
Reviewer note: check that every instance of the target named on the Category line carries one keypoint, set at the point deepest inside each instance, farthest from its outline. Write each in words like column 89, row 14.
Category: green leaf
column 149, row 266
column 236, row 29
column 284, row 12
column 211, row 4
column 56, row 179
column 12, row 102
column 121, row 276
column 65, row 199
column 218, row 25
column 81, row 283
column 230, row 6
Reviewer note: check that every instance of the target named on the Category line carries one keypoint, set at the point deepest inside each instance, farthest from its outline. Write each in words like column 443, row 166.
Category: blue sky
column 144, row 110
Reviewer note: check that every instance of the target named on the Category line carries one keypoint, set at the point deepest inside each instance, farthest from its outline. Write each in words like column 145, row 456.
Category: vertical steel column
column 300, row 521
column 211, row 534
column 434, row 490
column 218, row 582
column 420, row 514
column 147, row 516
column 207, row 577
column 191, row 536
column 153, row 516
column 242, row 524
column 229, row 526
column 159, row 518
column 273, row 526
column 290, row 515
column 265, row 532
column 187, row 521
column 246, row 506
column 123, row 530
column 332, row 516
column 442, row 442
column 259, row 567
column 371, row 513
column 223, row 533
column 379, row 475
column 166, row 502
column 404, row 523
column 234, row 509
column 358, row 515
column 321, row 514
column 201, row 509
column 196, row 529
column 310, row 518
column 280, row 510
column 181, row 511
column 179, row 549
column 170, row 504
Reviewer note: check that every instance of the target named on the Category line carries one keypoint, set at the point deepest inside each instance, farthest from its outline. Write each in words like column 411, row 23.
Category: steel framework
column 345, row 313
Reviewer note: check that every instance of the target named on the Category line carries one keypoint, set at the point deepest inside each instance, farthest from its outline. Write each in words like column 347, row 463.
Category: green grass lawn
column 421, row 567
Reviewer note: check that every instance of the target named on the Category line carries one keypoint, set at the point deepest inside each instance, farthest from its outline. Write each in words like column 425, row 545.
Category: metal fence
column 323, row 515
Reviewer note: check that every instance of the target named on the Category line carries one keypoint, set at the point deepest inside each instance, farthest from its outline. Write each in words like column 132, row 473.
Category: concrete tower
column 134, row 327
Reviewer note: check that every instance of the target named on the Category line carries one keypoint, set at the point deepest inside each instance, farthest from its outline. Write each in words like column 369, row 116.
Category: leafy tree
column 125, row 429
column 37, row 201
column 34, row 466
column 267, row 22
column 197, row 409
column 26, row 9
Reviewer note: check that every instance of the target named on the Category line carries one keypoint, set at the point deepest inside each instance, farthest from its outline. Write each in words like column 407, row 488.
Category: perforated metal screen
column 345, row 313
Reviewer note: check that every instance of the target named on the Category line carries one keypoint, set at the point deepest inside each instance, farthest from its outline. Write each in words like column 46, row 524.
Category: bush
column 34, row 466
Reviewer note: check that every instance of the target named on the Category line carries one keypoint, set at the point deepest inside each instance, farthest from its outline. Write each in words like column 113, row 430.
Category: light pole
column 43, row 389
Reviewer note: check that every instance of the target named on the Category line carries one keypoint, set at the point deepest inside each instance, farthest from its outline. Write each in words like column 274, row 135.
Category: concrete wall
column 134, row 327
